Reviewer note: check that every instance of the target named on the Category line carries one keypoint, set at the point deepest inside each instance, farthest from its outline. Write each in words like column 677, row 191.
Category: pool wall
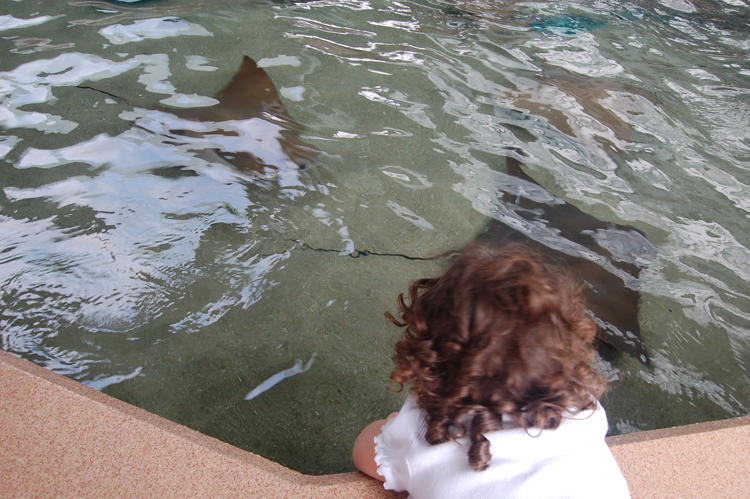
column 59, row 438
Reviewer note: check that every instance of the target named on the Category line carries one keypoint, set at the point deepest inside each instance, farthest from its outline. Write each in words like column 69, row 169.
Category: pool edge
column 82, row 443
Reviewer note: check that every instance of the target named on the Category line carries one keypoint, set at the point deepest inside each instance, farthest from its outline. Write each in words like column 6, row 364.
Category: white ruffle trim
column 383, row 459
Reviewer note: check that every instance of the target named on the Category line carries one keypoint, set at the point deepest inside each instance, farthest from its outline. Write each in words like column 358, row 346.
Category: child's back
column 504, row 402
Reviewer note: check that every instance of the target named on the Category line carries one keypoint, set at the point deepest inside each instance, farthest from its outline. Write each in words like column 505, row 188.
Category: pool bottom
column 62, row 439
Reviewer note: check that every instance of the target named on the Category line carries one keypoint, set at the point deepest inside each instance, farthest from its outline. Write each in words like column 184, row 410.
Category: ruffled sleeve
column 393, row 445
column 383, row 459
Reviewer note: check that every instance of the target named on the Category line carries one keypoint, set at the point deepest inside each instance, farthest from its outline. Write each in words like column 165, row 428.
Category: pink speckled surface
column 708, row 460
column 60, row 439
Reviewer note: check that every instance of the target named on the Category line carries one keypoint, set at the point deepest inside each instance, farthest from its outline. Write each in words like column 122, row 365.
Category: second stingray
column 607, row 257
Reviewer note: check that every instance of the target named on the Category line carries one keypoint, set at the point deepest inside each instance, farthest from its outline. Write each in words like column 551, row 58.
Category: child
column 504, row 401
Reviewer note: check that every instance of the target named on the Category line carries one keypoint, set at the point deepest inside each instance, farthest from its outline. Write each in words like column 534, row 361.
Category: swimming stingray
column 606, row 256
column 248, row 127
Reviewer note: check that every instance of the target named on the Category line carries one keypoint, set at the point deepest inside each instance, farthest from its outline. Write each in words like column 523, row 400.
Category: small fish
column 276, row 378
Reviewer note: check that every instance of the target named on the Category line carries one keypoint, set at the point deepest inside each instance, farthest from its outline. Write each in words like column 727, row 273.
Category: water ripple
column 154, row 29
column 9, row 22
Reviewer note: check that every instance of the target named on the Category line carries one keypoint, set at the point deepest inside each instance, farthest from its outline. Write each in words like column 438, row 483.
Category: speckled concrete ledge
column 707, row 460
column 60, row 439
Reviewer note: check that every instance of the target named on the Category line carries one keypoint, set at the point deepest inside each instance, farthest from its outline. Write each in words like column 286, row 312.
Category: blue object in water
column 130, row 2
column 566, row 25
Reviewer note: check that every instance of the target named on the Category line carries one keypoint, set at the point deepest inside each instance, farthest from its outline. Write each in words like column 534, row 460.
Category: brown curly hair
column 500, row 333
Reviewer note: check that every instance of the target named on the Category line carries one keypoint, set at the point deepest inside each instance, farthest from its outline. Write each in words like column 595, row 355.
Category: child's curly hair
column 500, row 333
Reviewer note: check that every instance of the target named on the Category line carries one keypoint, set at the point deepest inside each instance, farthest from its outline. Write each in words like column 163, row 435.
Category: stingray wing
column 249, row 122
column 605, row 256
column 250, row 94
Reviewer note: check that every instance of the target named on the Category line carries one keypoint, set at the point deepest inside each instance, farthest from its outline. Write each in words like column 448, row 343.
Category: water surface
column 131, row 263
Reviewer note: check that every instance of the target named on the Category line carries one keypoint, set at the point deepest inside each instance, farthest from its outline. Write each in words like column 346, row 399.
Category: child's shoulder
column 410, row 419
column 576, row 431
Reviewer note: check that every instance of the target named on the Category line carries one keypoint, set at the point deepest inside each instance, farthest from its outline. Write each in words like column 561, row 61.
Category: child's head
column 501, row 332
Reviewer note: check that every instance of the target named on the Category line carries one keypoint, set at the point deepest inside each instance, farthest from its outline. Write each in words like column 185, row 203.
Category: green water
column 181, row 293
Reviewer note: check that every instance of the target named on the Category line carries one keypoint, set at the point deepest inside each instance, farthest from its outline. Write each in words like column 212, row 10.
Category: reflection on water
column 134, row 260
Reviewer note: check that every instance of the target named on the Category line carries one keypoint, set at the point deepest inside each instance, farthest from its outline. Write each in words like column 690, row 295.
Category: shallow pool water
column 134, row 263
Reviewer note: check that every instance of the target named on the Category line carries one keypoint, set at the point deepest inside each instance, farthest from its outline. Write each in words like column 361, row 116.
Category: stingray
column 248, row 127
column 607, row 257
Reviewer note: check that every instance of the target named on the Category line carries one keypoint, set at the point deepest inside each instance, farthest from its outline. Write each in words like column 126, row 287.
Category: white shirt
column 572, row 461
